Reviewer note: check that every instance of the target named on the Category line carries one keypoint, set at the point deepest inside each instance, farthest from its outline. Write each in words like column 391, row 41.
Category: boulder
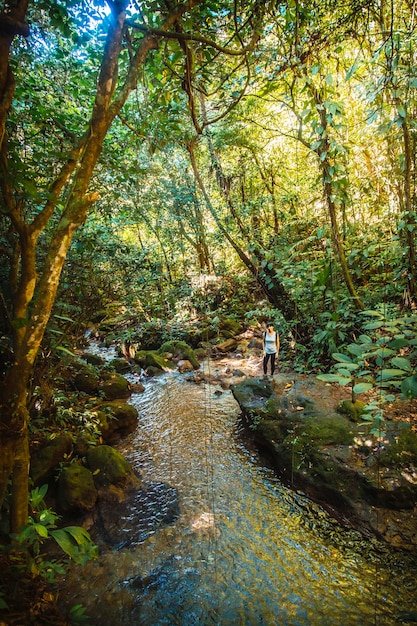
column 184, row 366
column 93, row 359
column 226, row 346
column 109, row 467
column 114, row 386
column 86, row 379
column 317, row 449
column 45, row 460
column 180, row 351
column 153, row 361
column 117, row 418
column 76, row 489
column 122, row 366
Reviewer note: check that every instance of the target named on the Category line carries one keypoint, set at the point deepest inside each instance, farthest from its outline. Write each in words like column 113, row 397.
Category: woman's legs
column 265, row 363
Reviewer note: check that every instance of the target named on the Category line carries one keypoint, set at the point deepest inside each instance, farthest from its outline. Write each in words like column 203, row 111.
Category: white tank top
column 270, row 343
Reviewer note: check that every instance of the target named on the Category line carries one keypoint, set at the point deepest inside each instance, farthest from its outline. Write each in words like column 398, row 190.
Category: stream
column 244, row 549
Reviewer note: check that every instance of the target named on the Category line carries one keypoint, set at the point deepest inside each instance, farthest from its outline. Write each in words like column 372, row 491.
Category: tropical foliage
column 165, row 162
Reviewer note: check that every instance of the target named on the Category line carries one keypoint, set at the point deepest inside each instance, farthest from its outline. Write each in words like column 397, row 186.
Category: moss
column 76, row 489
column 312, row 434
column 117, row 417
column 180, row 350
column 45, row 461
column 120, row 365
column 353, row 410
column 86, row 379
column 402, row 451
column 229, row 327
column 153, row 359
column 108, row 466
column 114, row 386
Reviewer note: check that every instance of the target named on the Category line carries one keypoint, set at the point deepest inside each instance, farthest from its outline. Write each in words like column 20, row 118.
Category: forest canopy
column 164, row 160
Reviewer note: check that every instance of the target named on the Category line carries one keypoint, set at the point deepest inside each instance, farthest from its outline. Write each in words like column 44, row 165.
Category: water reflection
column 244, row 549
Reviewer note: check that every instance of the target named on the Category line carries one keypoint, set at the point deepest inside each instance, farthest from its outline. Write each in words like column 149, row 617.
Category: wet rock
column 184, row 366
column 93, row 359
column 152, row 360
column 114, row 386
column 313, row 447
column 46, row 460
column 109, row 467
column 76, row 489
column 122, row 366
column 179, row 350
column 137, row 387
column 117, row 418
column 225, row 346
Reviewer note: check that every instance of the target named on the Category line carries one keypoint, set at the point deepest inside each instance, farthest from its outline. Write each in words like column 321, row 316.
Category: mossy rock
column 109, row 467
column 324, row 431
column 153, row 360
column 252, row 393
column 46, row 460
column 117, row 418
column 353, row 410
column 120, row 365
column 114, row 386
column 180, row 351
column 76, row 489
column 86, row 379
column 93, row 359
column 231, row 326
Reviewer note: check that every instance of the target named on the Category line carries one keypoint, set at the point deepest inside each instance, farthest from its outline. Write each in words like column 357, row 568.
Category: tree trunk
column 273, row 290
column 410, row 215
column 30, row 323
column 323, row 152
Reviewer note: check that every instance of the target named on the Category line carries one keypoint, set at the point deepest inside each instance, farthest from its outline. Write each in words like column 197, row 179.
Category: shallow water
column 244, row 550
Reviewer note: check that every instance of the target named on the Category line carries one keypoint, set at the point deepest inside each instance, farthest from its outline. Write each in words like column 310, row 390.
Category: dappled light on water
column 244, row 549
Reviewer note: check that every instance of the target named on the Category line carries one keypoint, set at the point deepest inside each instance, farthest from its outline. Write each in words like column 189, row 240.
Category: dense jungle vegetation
column 166, row 164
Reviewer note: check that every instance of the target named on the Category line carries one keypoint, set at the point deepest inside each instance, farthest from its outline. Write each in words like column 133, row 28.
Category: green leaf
column 388, row 373
column 402, row 363
column 409, row 387
column 79, row 534
column 384, row 353
column 373, row 325
column 334, row 378
column 372, row 313
column 356, row 349
column 362, row 387
column 65, row 350
column 41, row 530
column 343, row 358
column 350, row 367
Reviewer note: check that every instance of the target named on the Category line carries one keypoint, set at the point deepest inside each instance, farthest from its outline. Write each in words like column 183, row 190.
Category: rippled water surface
column 244, row 550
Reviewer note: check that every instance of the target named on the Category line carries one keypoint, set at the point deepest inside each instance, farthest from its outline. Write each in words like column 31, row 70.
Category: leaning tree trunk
column 274, row 291
column 32, row 309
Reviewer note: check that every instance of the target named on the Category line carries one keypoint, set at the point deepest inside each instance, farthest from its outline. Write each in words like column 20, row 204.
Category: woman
column 270, row 347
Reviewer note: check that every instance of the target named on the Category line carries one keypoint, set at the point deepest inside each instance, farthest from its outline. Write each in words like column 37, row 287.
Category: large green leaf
column 362, row 387
column 41, row 530
column 343, row 358
column 334, row 378
column 388, row 373
column 402, row 363
column 409, row 387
